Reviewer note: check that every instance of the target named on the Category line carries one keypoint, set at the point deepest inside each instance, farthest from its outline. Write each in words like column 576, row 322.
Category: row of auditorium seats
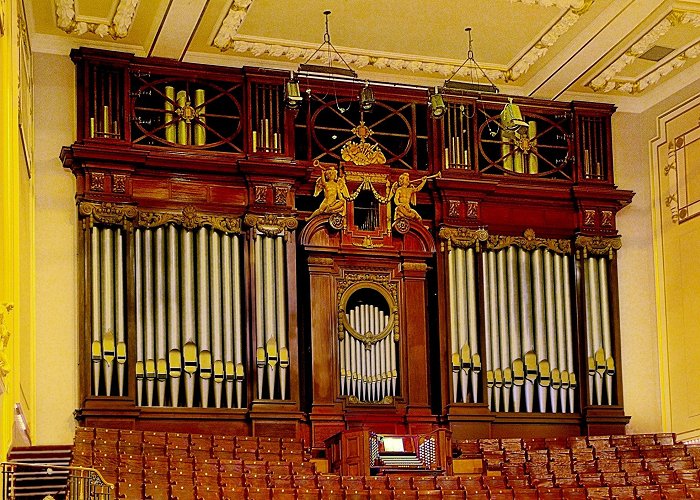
column 159, row 465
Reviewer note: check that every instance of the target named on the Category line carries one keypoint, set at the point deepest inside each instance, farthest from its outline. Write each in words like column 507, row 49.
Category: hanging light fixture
column 366, row 98
column 473, row 66
column 332, row 53
column 292, row 94
column 437, row 104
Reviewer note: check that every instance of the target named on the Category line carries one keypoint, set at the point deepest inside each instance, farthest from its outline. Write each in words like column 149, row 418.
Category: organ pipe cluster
column 185, row 123
column 272, row 354
column 368, row 371
column 188, row 317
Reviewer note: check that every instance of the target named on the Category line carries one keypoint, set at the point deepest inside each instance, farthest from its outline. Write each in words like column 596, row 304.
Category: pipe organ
column 294, row 272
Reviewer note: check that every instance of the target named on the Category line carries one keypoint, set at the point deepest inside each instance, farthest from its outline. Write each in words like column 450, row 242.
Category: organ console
column 458, row 273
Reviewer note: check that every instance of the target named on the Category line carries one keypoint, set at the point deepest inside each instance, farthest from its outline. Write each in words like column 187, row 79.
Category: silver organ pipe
column 528, row 340
column 160, row 325
column 217, row 362
column 514, row 325
column 550, row 315
column 454, row 339
column 560, row 385
column 96, row 315
column 571, row 387
column 228, row 298
column 596, row 356
column 605, row 327
column 281, row 312
column 203, row 316
column 269, row 285
column 107, row 275
column 473, row 323
column 540, row 329
column 174, row 345
column 189, row 342
column 492, row 322
column 140, row 368
column 119, row 310
column 237, row 322
column 149, row 323
column 465, row 353
column 504, row 343
column 257, row 250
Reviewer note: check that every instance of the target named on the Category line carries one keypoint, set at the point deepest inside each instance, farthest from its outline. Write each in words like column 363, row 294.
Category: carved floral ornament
column 227, row 38
column 463, row 237
column 607, row 80
column 598, row 245
column 129, row 216
column 270, row 224
column 119, row 26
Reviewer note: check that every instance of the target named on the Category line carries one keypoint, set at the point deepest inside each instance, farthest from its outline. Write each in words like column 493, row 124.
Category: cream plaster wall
column 56, row 252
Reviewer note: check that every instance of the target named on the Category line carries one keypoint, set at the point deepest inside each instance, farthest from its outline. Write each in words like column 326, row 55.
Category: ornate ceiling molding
column 229, row 27
column 227, row 39
column 68, row 21
column 606, row 81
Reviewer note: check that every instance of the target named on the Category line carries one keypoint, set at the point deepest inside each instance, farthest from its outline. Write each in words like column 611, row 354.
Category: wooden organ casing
column 220, row 293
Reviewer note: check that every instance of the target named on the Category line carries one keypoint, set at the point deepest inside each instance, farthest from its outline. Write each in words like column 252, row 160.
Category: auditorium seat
column 549, row 493
column 650, row 492
column 622, row 493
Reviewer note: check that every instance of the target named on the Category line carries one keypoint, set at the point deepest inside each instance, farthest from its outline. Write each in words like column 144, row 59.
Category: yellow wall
column 16, row 234
column 56, row 252
column 56, row 249
column 678, row 271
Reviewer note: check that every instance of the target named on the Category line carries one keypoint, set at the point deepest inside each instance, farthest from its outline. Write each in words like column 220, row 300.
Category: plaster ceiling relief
column 615, row 77
column 557, row 18
column 68, row 19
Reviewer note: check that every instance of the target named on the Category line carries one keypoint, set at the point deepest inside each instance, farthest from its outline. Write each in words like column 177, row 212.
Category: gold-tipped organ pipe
column 174, row 346
column 119, row 308
column 605, row 327
column 540, row 329
column 514, row 325
column 170, row 116
column 473, row 323
column 490, row 262
column 462, row 327
column 107, row 282
column 96, row 314
column 551, row 321
column 527, row 335
column 257, row 244
column 148, row 315
column 140, row 368
column 454, row 339
column 504, row 340
column 269, row 286
column 217, row 355
column 281, row 301
column 237, row 323
column 559, row 293
column 569, row 335
column 189, row 347
column 160, row 321
column 200, row 132
column 203, row 316
column 596, row 334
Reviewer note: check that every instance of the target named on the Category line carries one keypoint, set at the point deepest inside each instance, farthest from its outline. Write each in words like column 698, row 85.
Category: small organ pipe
column 203, row 316
column 473, row 326
column 119, row 309
column 237, row 322
column 160, row 325
column 528, row 340
column 140, row 370
column 605, row 327
column 189, row 348
column 107, row 275
column 96, row 314
column 503, row 327
column 228, row 317
column 514, row 325
column 550, row 313
column 281, row 314
column 454, row 339
column 217, row 347
column 148, row 314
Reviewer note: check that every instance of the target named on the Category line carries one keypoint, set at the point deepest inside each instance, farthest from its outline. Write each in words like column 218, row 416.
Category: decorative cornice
column 270, row 224
column 598, row 245
column 529, row 242
column 227, row 39
column 129, row 216
column 229, row 27
column 119, row 26
column 463, row 237
column 606, row 81
column 108, row 213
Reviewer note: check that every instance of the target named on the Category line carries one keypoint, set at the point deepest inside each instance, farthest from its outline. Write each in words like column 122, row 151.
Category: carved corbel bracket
column 271, row 224
column 598, row 245
column 463, row 237
column 108, row 213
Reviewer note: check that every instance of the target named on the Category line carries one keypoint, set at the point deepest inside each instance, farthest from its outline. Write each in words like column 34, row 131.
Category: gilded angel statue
column 404, row 192
column 335, row 193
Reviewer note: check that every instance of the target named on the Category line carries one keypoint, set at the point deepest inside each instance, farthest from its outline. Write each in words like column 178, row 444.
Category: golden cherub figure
column 335, row 193
column 404, row 192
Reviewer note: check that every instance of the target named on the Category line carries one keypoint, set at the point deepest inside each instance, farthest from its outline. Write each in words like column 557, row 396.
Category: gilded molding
column 108, row 213
column 414, row 266
column 463, row 237
column 529, row 242
column 227, row 39
column 233, row 20
column 118, row 27
column 321, row 261
column 353, row 282
column 598, row 245
column 5, row 367
column 270, row 224
column 607, row 80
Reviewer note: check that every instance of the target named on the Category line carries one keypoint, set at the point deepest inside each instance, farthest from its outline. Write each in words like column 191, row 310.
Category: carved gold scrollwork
column 598, row 245
column 529, row 242
column 270, row 224
column 381, row 283
column 108, row 213
column 387, row 400
column 463, row 237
